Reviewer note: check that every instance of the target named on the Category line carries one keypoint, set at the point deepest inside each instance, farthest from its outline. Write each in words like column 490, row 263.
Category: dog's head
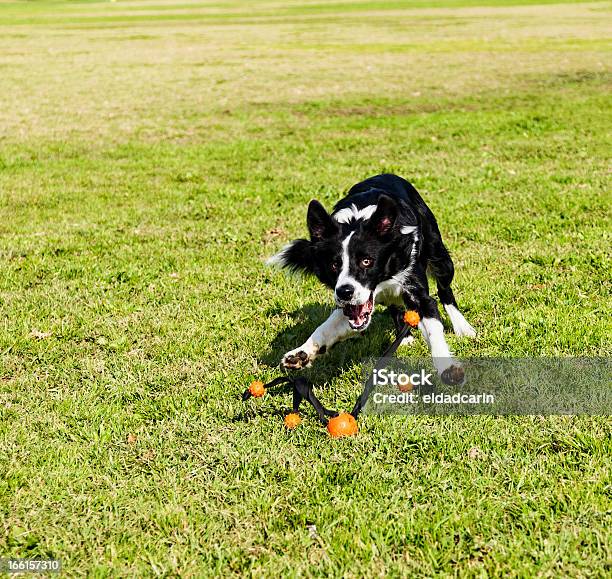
column 355, row 251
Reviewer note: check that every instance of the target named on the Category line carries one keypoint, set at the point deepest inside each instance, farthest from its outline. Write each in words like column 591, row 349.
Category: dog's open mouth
column 359, row 316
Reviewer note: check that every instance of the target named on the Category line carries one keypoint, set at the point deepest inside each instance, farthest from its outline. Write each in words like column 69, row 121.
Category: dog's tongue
column 358, row 314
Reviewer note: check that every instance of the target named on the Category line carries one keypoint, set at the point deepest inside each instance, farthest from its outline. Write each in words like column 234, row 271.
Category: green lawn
column 153, row 154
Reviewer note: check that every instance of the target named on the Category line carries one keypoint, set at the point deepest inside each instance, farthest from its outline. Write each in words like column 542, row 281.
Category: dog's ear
column 320, row 224
column 384, row 217
column 297, row 256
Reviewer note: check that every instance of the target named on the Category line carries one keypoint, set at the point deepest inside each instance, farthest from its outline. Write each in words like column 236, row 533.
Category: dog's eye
column 334, row 266
column 366, row 262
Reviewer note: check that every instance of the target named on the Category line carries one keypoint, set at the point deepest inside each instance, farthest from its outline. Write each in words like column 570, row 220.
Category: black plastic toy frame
column 303, row 388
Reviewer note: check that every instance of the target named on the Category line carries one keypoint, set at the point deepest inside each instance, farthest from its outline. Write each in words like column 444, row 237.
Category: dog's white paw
column 407, row 341
column 461, row 326
column 465, row 330
column 297, row 359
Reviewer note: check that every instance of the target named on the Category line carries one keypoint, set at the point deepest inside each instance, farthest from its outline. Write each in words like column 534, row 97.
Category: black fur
column 379, row 239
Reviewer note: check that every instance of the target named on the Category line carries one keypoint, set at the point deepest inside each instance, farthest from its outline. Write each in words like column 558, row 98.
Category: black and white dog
column 377, row 247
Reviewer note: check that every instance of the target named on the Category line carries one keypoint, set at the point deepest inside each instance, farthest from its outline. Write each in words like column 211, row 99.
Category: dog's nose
column 345, row 292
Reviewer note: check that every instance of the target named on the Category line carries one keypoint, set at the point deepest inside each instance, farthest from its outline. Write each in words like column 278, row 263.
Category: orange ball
column 257, row 389
column 292, row 420
column 342, row 425
column 412, row 318
column 406, row 387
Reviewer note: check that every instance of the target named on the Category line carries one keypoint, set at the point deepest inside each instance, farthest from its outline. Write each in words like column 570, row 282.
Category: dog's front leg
column 449, row 370
column 332, row 330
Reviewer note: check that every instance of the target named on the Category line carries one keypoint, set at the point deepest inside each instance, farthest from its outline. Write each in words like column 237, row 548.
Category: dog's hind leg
column 442, row 267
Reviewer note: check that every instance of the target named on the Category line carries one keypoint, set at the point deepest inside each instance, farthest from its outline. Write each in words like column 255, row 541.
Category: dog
column 377, row 246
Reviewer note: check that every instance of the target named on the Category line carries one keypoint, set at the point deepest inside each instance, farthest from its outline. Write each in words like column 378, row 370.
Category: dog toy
column 412, row 318
column 257, row 389
column 342, row 425
column 302, row 390
column 369, row 385
column 408, row 387
column 292, row 420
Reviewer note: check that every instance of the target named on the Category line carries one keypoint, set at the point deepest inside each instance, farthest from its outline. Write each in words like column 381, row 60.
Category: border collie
column 377, row 246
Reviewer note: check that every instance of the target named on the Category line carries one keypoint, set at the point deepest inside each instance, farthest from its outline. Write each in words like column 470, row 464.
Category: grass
column 151, row 155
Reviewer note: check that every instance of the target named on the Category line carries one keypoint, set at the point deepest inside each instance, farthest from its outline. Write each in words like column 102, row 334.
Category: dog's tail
column 296, row 257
